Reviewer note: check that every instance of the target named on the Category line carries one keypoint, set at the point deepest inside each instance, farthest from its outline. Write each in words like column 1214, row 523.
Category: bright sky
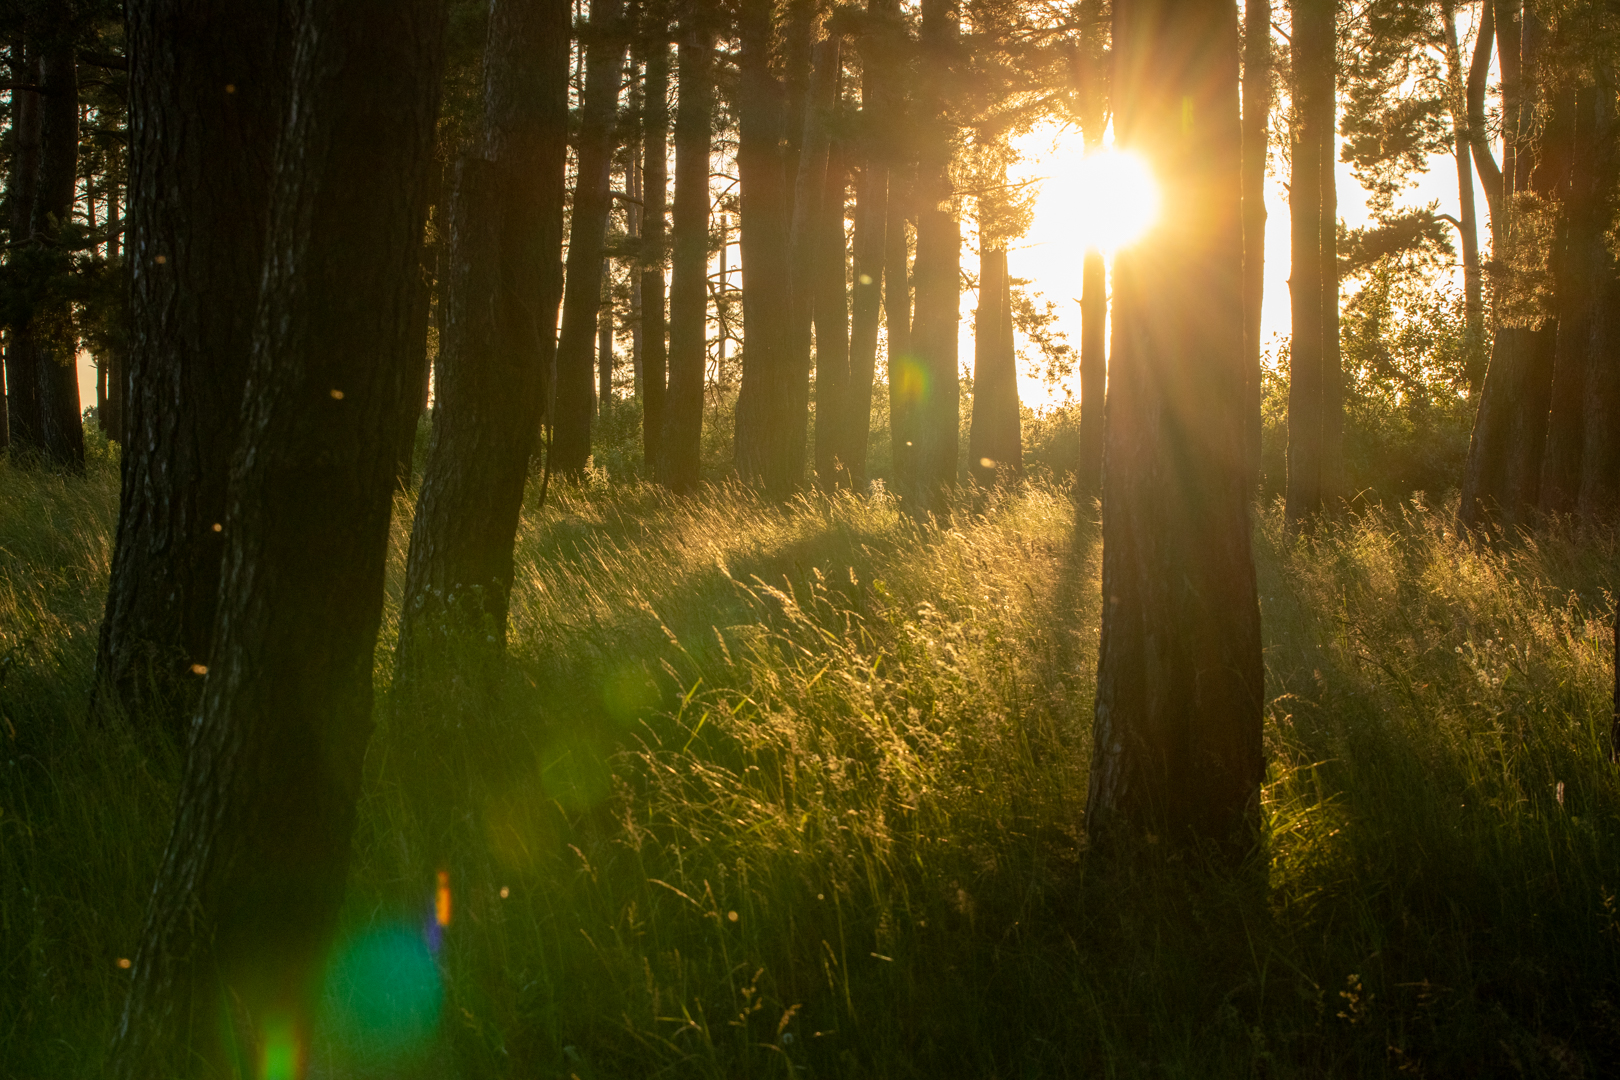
column 1065, row 225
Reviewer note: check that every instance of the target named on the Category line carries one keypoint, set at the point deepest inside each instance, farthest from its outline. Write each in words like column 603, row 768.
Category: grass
column 800, row 792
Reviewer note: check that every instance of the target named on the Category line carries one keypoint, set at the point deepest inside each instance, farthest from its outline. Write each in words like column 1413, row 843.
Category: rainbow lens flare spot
column 280, row 1057
column 384, row 992
column 441, row 900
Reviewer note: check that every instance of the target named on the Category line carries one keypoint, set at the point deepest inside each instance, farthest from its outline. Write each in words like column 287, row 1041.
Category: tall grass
column 794, row 791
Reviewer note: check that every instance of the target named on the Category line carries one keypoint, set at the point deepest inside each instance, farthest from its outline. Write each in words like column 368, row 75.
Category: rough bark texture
column 505, row 280
column 1179, row 688
column 1093, row 375
column 832, row 328
column 938, row 270
column 682, row 449
column 587, row 234
column 655, row 181
column 995, row 440
column 200, row 167
column 604, row 340
column 55, row 343
column 248, row 894
column 1257, row 69
column 1457, row 103
column 1313, row 403
column 27, row 427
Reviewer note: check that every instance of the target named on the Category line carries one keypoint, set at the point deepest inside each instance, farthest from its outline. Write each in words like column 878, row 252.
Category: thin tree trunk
column 832, row 328
column 938, row 271
column 655, row 177
column 789, row 427
column 995, row 443
column 56, row 343
column 504, row 282
column 634, row 213
column 1257, row 71
column 27, row 426
column 200, row 170
column 1332, row 361
column 905, row 382
column 247, row 899
column 1310, row 214
column 582, row 296
column 681, row 464
column 1178, row 738
column 118, row 355
column 1457, row 91
column 604, row 341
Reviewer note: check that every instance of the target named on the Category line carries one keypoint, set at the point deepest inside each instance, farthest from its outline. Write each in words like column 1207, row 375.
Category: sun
column 1107, row 199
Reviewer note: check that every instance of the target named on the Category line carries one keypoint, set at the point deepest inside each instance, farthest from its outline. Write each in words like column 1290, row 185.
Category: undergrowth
column 799, row 791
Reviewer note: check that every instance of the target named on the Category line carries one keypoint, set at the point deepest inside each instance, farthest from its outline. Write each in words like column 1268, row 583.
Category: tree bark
column 587, row 235
column 1313, row 287
column 504, row 283
column 681, row 465
column 1180, row 679
column 938, row 271
column 604, row 340
column 1457, row 98
column 655, row 183
column 56, row 345
column 248, row 894
column 904, row 381
column 1257, row 71
column 831, row 306
column 27, row 426
column 200, row 168
column 995, row 440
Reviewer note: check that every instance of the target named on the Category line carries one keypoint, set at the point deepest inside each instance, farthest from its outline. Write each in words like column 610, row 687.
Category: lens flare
column 1109, row 198
column 441, row 900
column 280, row 1056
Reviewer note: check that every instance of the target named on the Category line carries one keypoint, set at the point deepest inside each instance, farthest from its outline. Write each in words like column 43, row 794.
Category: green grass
column 800, row 792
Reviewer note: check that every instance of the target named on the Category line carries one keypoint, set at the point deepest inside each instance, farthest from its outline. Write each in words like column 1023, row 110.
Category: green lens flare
column 384, row 991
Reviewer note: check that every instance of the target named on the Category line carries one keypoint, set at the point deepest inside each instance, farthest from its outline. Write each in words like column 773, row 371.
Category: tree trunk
column 938, row 270
column 1310, row 215
column 587, row 235
column 1457, row 99
column 1093, row 374
column 763, row 126
column 655, row 184
column 681, row 464
column 904, row 378
column 1332, row 361
column 200, row 170
column 246, row 902
column 832, row 328
column 604, row 340
column 880, row 58
column 27, row 426
column 995, row 441
column 1257, row 72
column 56, row 344
column 504, row 283
column 1178, row 734
column 118, row 355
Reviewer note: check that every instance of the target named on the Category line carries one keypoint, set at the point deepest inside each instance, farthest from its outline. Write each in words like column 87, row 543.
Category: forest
column 859, row 538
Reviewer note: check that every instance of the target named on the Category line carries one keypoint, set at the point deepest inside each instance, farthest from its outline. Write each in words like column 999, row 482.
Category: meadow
column 800, row 791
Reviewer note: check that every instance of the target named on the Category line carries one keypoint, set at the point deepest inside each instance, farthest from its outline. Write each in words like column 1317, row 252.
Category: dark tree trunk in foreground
column 1256, row 127
column 995, row 440
column 199, row 185
column 689, row 262
column 246, row 902
column 832, row 328
column 587, row 234
column 902, row 361
column 1600, row 428
column 27, row 427
column 55, row 344
column 937, row 317
column 1179, row 684
column 655, row 182
column 763, row 229
column 505, row 279
column 1314, row 406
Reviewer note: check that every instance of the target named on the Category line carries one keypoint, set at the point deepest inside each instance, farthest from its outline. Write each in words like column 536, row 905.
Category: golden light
column 1105, row 200
column 441, row 899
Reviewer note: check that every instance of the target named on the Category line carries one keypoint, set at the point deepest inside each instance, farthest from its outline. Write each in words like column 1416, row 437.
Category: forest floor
column 800, row 792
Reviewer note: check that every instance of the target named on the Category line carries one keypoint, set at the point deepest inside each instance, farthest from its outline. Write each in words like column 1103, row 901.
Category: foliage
column 803, row 787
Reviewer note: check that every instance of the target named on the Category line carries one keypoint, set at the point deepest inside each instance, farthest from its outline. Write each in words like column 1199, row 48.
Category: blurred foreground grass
column 800, row 792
